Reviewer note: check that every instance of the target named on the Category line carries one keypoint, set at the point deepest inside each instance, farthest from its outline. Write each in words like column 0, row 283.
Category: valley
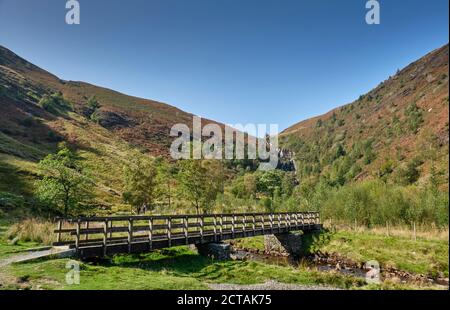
column 376, row 169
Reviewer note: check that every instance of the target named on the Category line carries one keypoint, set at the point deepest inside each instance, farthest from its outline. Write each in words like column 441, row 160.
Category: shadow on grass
column 177, row 260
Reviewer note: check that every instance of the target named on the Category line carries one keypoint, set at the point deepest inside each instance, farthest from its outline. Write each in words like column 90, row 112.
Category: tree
column 55, row 103
column 64, row 184
column 92, row 105
column 140, row 181
column 250, row 184
column 268, row 181
column 166, row 181
column 414, row 116
column 288, row 184
column 199, row 183
column 409, row 174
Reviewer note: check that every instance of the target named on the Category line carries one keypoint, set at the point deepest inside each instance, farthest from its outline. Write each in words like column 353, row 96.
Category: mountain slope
column 398, row 129
column 104, row 137
column 142, row 122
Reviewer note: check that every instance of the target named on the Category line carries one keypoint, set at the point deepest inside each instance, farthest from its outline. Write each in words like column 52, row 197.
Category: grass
column 421, row 256
column 176, row 268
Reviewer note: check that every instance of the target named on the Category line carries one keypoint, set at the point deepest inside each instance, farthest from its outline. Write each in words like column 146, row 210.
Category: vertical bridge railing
column 134, row 233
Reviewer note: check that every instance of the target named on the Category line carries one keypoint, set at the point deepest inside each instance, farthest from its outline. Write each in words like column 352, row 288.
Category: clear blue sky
column 235, row 61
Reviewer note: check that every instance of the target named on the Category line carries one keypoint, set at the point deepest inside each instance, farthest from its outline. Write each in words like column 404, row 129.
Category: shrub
column 55, row 103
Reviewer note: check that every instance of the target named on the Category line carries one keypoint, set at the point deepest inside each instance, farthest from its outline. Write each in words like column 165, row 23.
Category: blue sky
column 235, row 61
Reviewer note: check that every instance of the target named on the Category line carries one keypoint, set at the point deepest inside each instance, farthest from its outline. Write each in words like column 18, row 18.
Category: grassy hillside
column 397, row 132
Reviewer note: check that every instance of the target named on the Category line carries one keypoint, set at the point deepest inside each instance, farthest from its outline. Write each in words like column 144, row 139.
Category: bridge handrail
column 175, row 216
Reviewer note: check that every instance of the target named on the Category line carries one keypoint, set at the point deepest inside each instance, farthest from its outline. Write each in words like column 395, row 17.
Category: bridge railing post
column 130, row 234
column 201, row 228
column 279, row 222
column 253, row 224
column 110, row 229
column 185, row 229
column 77, row 240
column 215, row 228
column 233, row 225
column 150, row 233
column 105, row 236
column 58, row 236
column 221, row 227
column 271, row 223
column 169, row 231
column 86, row 237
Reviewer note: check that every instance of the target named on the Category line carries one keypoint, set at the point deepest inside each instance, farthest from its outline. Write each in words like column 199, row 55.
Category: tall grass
column 32, row 230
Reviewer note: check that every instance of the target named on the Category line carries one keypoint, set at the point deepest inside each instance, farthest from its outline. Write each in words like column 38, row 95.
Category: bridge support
column 288, row 244
column 218, row 251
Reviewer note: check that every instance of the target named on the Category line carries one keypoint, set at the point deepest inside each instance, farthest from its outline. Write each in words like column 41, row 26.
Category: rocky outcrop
column 111, row 119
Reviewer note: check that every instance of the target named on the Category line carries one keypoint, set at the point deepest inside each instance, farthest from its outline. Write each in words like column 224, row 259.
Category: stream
column 333, row 262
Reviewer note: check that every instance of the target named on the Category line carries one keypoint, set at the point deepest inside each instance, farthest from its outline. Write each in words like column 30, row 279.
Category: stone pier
column 286, row 244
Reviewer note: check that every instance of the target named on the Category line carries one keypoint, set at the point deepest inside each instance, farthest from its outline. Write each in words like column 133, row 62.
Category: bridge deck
column 102, row 236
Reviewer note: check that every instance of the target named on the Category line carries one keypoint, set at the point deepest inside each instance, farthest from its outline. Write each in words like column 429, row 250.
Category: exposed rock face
column 110, row 119
column 218, row 251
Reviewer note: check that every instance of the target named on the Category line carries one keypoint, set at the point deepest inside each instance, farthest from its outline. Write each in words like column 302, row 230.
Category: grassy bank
column 427, row 255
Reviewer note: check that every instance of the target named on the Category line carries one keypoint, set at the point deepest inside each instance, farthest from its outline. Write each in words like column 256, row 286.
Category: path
column 31, row 255
column 269, row 285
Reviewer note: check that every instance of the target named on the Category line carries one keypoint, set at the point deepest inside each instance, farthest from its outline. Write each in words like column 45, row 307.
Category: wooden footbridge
column 102, row 236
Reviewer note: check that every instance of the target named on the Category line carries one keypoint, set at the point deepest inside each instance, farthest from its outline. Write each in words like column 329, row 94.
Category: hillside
column 104, row 136
column 398, row 131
